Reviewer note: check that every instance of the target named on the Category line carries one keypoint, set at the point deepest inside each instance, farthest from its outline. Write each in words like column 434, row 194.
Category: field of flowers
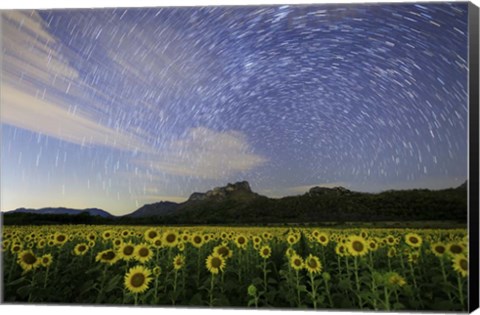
column 381, row 269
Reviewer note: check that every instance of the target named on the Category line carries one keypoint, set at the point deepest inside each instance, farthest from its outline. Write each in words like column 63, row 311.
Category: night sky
column 116, row 108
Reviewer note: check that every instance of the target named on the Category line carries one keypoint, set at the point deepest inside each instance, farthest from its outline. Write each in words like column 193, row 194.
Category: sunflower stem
column 442, row 264
column 265, row 274
column 174, row 287
column 357, row 282
column 314, row 290
column 212, row 277
column 329, row 296
column 299, row 301
column 387, row 298
column 46, row 277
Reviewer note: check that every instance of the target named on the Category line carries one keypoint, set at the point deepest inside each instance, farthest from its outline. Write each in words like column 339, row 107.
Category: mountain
column 237, row 204
column 61, row 210
column 237, row 193
column 154, row 209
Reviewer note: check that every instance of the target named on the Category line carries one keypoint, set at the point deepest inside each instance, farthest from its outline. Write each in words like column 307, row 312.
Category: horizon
column 125, row 107
column 186, row 199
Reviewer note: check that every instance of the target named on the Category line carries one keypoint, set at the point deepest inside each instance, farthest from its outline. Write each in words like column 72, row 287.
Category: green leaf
column 17, row 281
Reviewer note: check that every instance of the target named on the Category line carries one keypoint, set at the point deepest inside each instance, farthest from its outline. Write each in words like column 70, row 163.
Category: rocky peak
column 221, row 193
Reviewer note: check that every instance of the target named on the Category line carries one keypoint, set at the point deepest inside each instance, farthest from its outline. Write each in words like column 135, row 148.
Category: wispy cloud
column 205, row 153
column 38, row 84
column 20, row 109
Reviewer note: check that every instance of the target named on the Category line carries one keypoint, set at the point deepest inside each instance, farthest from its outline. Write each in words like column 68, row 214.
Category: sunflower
column 413, row 257
column 392, row 252
column 438, row 249
column 157, row 270
column 223, row 250
column 265, row 251
column 395, row 280
column 16, row 248
column 143, row 253
column 60, row 238
column 460, row 265
column 322, row 238
column 41, row 243
column 413, row 239
column 185, row 237
column 27, row 260
column 454, row 249
column 292, row 239
column 46, row 260
column 125, row 233
column 150, row 235
column 80, row 249
column 357, row 246
column 390, row 240
column 5, row 245
column 108, row 234
column 296, row 262
column 117, row 242
column 372, row 245
column 290, row 252
column 340, row 250
column 92, row 236
column 137, row 279
column 108, row 256
column 170, row 238
column 241, row 241
column 157, row 242
column 313, row 264
column 126, row 251
column 91, row 244
column 178, row 262
column 196, row 240
column 215, row 263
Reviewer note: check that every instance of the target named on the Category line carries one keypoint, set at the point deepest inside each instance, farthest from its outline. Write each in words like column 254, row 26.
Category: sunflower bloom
column 178, row 262
column 313, row 264
column 296, row 262
column 126, row 251
column 143, row 253
column 265, row 251
column 46, row 260
column 413, row 240
column 438, row 249
column 460, row 265
column 357, row 246
column 137, row 279
column 215, row 263
column 108, row 256
column 80, row 249
column 27, row 260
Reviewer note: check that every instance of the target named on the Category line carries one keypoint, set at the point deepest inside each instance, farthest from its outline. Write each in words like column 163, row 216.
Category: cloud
column 25, row 111
column 206, row 154
column 38, row 84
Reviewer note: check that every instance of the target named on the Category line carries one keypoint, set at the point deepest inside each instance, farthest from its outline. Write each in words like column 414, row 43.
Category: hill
column 238, row 204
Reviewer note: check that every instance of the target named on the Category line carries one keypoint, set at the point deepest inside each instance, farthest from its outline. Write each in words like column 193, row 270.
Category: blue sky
column 115, row 108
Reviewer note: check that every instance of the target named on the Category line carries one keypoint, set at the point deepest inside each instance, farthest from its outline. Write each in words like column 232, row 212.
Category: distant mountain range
column 237, row 203
column 61, row 210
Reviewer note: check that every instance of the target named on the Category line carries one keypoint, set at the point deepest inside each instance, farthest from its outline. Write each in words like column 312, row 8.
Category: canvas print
column 271, row 156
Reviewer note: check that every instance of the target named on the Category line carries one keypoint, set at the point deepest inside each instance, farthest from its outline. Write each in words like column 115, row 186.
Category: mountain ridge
column 236, row 202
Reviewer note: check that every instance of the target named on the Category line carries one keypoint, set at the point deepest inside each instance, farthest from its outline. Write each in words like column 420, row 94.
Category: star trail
column 116, row 108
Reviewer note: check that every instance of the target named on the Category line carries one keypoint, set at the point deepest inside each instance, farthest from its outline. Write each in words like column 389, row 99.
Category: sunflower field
column 321, row 268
